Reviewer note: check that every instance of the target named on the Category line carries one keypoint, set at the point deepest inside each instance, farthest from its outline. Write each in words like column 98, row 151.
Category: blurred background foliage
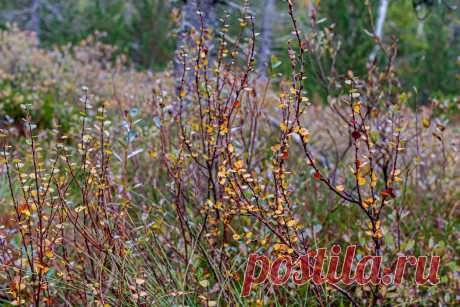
column 141, row 29
column 426, row 31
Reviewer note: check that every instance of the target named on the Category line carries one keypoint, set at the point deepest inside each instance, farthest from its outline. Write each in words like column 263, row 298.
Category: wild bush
column 162, row 185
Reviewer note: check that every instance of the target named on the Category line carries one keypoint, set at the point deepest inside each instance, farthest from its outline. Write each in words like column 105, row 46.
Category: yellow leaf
column 276, row 147
column 223, row 129
column 79, row 209
column 368, row 202
column 305, row 134
column 426, row 122
column 361, row 180
column 340, row 188
column 153, row 154
column 238, row 164
column 378, row 234
column 283, row 127
column 374, row 179
column 25, row 211
column 357, row 107
column 41, row 268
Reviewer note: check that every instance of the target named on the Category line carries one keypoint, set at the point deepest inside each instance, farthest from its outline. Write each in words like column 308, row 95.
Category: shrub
column 158, row 190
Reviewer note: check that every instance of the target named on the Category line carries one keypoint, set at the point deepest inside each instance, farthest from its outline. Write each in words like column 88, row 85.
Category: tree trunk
column 383, row 8
column 35, row 19
column 266, row 37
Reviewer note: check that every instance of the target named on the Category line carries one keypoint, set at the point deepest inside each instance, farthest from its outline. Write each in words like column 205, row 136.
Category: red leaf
column 317, row 175
column 356, row 135
column 285, row 155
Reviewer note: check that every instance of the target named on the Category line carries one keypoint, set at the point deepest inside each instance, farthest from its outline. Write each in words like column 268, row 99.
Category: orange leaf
column 388, row 192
